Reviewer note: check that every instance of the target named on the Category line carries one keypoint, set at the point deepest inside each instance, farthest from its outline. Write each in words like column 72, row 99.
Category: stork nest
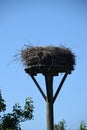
column 47, row 60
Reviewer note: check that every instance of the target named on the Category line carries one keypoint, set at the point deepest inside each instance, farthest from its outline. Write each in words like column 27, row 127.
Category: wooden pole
column 38, row 86
column 49, row 102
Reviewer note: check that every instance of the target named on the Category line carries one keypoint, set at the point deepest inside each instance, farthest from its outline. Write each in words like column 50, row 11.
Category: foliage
column 26, row 113
column 2, row 103
column 11, row 121
column 83, row 126
column 60, row 126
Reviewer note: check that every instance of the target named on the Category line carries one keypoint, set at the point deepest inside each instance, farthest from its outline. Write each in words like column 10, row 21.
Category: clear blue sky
column 42, row 23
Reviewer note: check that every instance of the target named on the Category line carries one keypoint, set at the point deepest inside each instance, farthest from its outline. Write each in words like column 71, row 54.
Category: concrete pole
column 49, row 102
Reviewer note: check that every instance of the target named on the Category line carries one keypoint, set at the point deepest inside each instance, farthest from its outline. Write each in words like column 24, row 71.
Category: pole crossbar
column 59, row 87
column 38, row 86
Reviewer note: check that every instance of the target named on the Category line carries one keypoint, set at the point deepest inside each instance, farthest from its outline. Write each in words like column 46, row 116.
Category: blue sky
column 42, row 23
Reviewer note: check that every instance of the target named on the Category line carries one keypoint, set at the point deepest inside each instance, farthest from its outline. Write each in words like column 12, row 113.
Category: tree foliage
column 2, row 103
column 11, row 121
column 83, row 126
column 60, row 126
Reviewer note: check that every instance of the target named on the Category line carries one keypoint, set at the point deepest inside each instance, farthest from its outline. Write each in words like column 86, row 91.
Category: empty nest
column 48, row 59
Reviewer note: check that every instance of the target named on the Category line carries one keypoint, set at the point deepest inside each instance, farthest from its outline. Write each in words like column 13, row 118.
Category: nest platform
column 48, row 60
